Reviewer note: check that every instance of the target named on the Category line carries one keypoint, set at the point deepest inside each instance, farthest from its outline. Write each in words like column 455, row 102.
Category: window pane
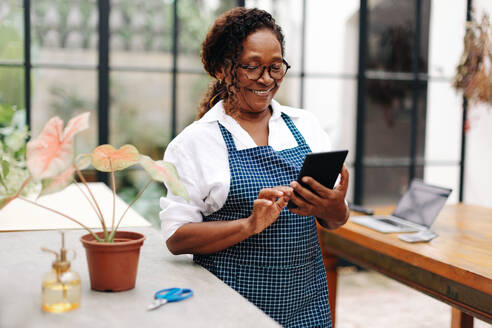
column 12, row 86
column 289, row 93
column 444, row 117
column 332, row 36
column 388, row 120
column 448, row 176
column 141, row 33
column 386, row 185
column 11, row 31
column 287, row 14
column 140, row 112
column 195, row 19
column 334, row 103
column 424, row 35
column 191, row 88
column 129, row 183
column 447, row 29
column 350, row 191
column 64, row 31
column 391, row 32
column 65, row 93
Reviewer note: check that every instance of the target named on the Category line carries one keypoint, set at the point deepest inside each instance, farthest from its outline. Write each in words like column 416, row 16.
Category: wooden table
column 455, row 267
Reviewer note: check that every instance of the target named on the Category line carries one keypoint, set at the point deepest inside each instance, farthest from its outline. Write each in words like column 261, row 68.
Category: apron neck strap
column 297, row 135
column 231, row 146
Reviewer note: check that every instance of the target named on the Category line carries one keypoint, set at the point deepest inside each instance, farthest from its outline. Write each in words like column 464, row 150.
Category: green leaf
column 16, row 140
column 5, row 168
column 21, row 153
column 4, row 201
column 6, row 114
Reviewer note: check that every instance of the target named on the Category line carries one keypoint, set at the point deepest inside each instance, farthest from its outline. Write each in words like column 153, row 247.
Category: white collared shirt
column 200, row 155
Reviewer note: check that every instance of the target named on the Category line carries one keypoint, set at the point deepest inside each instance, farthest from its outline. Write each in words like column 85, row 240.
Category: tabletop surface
column 462, row 251
column 23, row 264
column 214, row 304
column 20, row 215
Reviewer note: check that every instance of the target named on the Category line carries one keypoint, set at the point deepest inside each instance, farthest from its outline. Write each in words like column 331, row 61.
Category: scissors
column 169, row 295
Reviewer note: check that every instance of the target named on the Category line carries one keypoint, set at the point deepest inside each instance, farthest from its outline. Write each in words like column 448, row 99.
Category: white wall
column 478, row 172
column 444, row 113
column 444, row 109
column 478, row 178
column 332, row 41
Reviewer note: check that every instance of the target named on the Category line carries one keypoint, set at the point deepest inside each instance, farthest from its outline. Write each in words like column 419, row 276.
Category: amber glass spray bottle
column 61, row 286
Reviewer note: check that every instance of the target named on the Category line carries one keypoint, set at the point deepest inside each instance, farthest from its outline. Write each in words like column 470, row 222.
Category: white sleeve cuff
column 174, row 214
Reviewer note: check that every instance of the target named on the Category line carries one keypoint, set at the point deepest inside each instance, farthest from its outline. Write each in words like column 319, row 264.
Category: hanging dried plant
column 474, row 73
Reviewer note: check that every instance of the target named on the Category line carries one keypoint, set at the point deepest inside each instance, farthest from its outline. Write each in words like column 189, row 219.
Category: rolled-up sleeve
column 175, row 210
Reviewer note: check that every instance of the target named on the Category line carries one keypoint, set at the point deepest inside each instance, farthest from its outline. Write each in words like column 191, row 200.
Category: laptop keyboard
column 393, row 223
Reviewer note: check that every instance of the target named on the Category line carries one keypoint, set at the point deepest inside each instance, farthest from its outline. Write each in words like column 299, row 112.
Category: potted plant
column 112, row 255
column 474, row 72
column 13, row 166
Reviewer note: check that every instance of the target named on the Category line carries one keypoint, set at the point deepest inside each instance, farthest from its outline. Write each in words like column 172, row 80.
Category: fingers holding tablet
column 320, row 171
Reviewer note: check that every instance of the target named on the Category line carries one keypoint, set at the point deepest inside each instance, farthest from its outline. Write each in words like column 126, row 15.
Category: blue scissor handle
column 173, row 294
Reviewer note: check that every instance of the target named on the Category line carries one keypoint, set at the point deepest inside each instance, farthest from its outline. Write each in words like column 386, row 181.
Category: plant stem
column 130, row 205
column 64, row 215
column 101, row 219
column 113, row 186
column 24, row 184
column 4, row 186
column 94, row 199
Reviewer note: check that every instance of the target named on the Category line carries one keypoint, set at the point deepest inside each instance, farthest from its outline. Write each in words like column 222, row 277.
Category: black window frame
column 103, row 70
column 416, row 78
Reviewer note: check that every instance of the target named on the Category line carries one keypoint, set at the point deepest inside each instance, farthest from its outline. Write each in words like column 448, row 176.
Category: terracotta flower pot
column 113, row 266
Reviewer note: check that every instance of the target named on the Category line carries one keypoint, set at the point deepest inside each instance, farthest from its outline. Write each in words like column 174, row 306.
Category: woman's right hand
column 215, row 236
column 267, row 207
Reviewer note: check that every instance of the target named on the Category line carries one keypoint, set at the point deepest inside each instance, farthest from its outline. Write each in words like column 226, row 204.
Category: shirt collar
column 217, row 112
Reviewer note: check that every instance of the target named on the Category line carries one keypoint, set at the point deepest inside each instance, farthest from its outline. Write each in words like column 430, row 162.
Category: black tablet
column 323, row 167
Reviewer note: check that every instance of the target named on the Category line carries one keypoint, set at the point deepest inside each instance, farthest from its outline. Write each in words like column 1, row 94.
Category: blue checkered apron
column 280, row 269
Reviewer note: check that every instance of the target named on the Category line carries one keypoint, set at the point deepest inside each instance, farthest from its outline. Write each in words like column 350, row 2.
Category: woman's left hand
column 328, row 205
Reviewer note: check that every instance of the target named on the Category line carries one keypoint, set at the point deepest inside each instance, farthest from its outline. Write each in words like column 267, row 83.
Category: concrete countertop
column 23, row 264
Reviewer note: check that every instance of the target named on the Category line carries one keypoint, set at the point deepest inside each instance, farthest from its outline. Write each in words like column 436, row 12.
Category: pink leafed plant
column 51, row 160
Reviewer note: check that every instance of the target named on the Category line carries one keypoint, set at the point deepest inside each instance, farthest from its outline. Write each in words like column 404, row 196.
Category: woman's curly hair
column 222, row 48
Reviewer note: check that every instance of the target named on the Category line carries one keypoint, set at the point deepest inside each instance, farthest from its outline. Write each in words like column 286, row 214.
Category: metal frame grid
column 104, row 69
column 416, row 80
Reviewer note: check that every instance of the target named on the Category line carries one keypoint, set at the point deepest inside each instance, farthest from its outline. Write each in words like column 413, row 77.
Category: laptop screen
column 421, row 203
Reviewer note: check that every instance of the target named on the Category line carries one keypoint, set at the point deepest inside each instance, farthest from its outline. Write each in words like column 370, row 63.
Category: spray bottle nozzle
column 61, row 262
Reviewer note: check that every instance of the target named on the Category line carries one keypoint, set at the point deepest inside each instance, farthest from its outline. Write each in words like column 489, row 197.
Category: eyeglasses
column 277, row 71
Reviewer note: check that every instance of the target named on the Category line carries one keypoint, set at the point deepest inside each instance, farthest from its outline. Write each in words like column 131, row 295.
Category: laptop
column 416, row 211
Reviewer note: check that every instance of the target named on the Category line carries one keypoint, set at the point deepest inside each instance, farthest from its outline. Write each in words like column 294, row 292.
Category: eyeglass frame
column 245, row 67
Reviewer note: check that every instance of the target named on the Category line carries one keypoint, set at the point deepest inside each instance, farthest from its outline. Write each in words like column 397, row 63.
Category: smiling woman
column 239, row 163
column 257, row 85
column 222, row 55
